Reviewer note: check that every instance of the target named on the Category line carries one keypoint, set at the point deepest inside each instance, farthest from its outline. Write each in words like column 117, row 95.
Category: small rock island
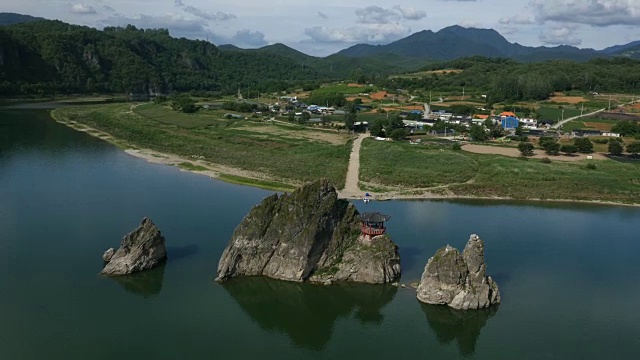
column 309, row 235
column 459, row 280
column 141, row 249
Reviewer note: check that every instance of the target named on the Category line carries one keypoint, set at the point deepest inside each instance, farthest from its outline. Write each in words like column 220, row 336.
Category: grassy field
column 555, row 113
column 419, row 166
column 284, row 153
column 393, row 164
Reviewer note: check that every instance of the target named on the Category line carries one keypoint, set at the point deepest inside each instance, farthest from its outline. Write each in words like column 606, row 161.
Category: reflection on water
column 146, row 283
column 464, row 326
column 307, row 312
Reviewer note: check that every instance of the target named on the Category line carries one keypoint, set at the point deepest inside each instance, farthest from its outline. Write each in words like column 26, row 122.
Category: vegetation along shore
column 279, row 155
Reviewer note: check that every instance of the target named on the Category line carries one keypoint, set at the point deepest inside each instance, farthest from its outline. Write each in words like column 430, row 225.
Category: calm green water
column 569, row 275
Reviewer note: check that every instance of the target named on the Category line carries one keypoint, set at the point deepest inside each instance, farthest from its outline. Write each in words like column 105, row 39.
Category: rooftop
column 374, row 217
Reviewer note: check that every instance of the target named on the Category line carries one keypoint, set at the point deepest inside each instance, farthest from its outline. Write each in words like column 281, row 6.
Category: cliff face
column 308, row 235
column 459, row 280
column 141, row 249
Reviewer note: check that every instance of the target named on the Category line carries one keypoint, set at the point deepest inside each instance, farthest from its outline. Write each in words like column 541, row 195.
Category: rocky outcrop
column 309, row 234
column 141, row 249
column 459, row 280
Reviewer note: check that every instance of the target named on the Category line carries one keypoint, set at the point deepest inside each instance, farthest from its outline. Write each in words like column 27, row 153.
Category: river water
column 569, row 274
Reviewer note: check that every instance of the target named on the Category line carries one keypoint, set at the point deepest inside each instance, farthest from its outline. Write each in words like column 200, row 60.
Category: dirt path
column 351, row 189
column 514, row 152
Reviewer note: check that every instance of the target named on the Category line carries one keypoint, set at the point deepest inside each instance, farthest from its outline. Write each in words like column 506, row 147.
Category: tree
column 394, row 122
column 349, row 120
column 519, row 129
column 304, row 118
column 398, row 134
column 184, row 103
column 569, row 149
column 634, row 148
column 477, row 133
column 552, row 148
column 549, row 144
column 526, row 148
column 615, row 147
column 376, row 128
column 583, row 145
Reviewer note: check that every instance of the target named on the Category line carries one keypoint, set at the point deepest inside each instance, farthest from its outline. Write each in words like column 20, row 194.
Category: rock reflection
column 307, row 312
column 147, row 283
column 463, row 326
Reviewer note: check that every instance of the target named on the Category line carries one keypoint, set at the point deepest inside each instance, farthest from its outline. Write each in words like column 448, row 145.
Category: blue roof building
column 510, row 122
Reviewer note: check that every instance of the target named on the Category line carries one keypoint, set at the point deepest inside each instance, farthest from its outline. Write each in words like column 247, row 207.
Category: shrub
column 569, row 149
column 590, row 166
column 634, row 148
column 615, row 147
column 546, row 160
column 526, row 149
column 583, row 145
column 456, row 147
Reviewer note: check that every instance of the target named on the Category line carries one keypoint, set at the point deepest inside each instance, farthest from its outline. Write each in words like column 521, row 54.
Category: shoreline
column 253, row 179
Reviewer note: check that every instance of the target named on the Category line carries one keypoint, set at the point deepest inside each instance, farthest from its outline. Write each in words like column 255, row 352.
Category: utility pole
column 582, row 110
column 463, row 93
column 609, row 102
column 429, row 97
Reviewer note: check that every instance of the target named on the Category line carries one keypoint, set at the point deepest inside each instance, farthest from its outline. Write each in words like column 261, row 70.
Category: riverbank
column 193, row 165
column 453, row 175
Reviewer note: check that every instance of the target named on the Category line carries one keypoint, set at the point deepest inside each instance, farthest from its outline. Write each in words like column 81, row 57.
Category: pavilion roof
column 374, row 217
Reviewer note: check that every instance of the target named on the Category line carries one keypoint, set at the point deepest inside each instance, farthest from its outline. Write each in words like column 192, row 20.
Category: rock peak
column 141, row 249
column 459, row 280
column 309, row 234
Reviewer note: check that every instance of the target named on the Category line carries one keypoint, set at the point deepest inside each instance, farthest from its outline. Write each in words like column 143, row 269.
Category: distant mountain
column 630, row 50
column 337, row 66
column 457, row 42
column 13, row 18
column 617, row 49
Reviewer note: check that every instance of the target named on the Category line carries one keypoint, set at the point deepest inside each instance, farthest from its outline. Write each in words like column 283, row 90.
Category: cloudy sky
column 324, row 27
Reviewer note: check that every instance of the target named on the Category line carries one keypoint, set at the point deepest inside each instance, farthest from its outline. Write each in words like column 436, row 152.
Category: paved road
column 351, row 188
column 559, row 124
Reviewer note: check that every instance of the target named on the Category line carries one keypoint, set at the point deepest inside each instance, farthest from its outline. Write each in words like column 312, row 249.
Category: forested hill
column 47, row 57
column 13, row 18
column 455, row 42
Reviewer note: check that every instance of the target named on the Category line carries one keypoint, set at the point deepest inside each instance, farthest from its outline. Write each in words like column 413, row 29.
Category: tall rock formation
column 459, row 280
column 141, row 249
column 309, row 234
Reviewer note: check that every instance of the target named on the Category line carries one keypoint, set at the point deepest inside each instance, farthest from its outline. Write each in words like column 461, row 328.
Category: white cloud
column 364, row 33
column 589, row 12
column 249, row 38
column 377, row 15
column 561, row 35
column 517, row 20
column 410, row 13
column 470, row 24
column 322, row 15
column 83, row 9
column 213, row 16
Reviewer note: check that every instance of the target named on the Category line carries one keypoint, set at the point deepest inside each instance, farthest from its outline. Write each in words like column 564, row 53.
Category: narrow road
column 560, row 123
column 351, row 189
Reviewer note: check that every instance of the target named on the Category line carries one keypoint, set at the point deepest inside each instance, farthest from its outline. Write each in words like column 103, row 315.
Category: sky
column 324, row 27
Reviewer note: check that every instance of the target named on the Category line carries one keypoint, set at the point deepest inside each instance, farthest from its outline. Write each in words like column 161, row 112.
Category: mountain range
column 39, row 56
column 456, row 42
